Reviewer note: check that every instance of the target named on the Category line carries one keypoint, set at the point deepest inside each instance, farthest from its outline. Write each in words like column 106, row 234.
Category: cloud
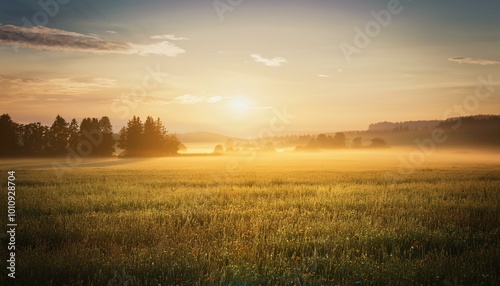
column 182, row 99
column 68, row 87
column 192, row 99
column 111, row 32
column 43, row 38
column 328, row 76
column 188, row 99
column 163, row 48
column 473, row 61
column 274, row 62
column 168, row 37
column 214, row 99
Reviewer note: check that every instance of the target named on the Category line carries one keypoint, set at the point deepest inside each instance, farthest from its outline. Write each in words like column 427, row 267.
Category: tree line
column 148, row 138
column 91, row 137
column 339, row 141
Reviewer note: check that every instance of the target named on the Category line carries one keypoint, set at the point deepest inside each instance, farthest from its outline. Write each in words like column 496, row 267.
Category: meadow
column 301, row 219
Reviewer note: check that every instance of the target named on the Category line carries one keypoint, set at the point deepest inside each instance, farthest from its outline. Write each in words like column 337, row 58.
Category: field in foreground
column 297, row 220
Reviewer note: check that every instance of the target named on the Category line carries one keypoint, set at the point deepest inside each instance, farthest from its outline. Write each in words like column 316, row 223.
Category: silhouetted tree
column 34, row 137
column 133, row 142
column 74, row 134
column 182, row 148
column 98, row 133
column 88, row 125
column 218, row 149
column 58, row 136
column 123, row 138
column 171, row 145
column 8, row 136
column 153, row 138
column 148, row 139
column 90, row 137
column 339, row 140
column 357, row 142
column 378, row 143
column 324, row 141
column 107, row 145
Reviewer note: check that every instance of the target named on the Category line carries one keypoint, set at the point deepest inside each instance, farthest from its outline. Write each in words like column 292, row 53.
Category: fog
column 348, row 159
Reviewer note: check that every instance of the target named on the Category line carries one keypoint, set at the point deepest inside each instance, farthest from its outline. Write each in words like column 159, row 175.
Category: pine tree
column 34, row 138
column 8, row 133
column 58, row 136
column 90, row 133
column 74, row 134
column 147, row 139
column 107, row 146
column 134, row 144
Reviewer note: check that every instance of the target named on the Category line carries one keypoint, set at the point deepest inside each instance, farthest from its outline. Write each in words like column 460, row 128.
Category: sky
column 249, row 67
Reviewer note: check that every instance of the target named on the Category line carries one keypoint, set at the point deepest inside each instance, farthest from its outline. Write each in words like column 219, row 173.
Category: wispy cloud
column 111, row 32
column 214, row 99
column 66, row 87
column 473, row 61
column 193, row 99
column 168, row 37
column 43, row 38
column 328, row 76
column 159, row 49
column 274, row 62
column 188, row 99
column 185, row 99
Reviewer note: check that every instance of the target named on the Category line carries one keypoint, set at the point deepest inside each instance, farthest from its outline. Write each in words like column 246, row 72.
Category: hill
column 478, row 131
column 405, row 125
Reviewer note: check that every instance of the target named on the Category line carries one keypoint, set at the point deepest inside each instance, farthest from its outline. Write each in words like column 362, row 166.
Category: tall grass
column 267, row 226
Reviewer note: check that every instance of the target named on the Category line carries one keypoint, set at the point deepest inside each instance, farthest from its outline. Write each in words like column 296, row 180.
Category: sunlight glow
column 240, row 105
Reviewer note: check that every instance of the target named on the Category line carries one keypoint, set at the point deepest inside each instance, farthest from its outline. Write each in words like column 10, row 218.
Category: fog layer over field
column 405, row 159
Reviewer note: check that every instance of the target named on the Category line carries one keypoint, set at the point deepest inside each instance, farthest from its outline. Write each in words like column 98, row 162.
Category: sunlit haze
column 209, row 66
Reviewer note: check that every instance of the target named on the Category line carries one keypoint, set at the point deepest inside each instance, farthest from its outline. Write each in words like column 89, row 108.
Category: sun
column 240, row 107
column 239, row 104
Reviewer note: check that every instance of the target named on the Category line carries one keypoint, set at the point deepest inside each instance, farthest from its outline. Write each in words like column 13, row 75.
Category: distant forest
column 481, row 121
column 339, row 141
column 479, row 131
column 94, row 137
column 91, row 137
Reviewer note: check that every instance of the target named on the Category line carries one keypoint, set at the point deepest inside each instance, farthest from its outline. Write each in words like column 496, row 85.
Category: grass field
column 322, row 219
